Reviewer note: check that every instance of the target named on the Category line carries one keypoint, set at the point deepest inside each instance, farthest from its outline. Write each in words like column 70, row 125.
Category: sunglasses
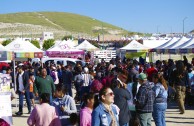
column 110, row 94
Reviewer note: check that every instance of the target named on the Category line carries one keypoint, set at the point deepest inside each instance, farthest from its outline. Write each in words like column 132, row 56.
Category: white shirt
column 57, row 79
column 20, row 80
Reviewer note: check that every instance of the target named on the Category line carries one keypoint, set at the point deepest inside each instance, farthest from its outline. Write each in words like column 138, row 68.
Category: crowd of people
column 119, row 93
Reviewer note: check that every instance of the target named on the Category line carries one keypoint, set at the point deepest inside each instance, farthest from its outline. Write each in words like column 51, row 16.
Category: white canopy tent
column 135, row 46
column 24, row 49
column 85, row 45
column 68, row 43
column 56, row 43
column 154, row 43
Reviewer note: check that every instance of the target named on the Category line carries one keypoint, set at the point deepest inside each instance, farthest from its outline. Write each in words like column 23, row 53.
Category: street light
column 184, row 24
column 103, row 36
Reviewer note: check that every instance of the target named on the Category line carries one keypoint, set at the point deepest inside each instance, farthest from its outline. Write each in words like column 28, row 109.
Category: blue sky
column 148, row 16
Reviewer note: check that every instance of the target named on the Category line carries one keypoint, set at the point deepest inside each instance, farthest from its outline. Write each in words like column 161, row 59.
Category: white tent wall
column 154, row 43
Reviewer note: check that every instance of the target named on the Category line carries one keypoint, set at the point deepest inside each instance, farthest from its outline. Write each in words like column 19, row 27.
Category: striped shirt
column 87, row 79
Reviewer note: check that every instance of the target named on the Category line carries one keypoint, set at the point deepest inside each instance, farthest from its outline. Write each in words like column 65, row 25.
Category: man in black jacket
column 22, row 86
column 122, row 95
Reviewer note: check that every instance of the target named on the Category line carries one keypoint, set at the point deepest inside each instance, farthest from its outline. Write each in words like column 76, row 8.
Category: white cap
column 86, row 70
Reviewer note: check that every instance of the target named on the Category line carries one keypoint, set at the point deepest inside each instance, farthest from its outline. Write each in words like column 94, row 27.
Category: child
column 65, row 105
column 31, row 85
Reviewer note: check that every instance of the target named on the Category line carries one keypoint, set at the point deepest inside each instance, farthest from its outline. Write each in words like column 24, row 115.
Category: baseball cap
column 86, row 69
column 142, row 76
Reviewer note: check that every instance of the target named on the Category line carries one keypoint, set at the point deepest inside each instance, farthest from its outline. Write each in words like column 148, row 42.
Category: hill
column 60, row 23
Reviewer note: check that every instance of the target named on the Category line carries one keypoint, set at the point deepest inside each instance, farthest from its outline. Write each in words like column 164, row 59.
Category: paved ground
column 173, row 118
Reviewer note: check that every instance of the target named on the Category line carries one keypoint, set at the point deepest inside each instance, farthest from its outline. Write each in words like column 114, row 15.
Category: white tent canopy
column 56, row 43
column 63, row 48
column 2, row 48
column 24, row 49
column 85, row 45
column 19, row 45
column 68, row 43
column 135, row 46
column 154, row 43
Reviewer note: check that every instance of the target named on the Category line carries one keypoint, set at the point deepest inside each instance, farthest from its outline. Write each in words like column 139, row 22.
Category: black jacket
column 25, row 77
column 120, row 99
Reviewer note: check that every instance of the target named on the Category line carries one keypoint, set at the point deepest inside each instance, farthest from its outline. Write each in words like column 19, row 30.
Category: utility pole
column 184, row 24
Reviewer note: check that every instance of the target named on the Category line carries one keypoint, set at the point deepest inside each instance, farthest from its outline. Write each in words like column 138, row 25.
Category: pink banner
column 58, row 53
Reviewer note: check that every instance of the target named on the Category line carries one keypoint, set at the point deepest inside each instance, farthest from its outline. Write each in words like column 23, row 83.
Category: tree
column 67, row 37
column 6, row 42
column 35, row 43
column 48, row 43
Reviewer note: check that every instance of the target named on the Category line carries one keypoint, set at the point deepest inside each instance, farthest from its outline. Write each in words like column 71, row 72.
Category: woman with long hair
column 180, row 81
column 105, row 114
column 160, row 104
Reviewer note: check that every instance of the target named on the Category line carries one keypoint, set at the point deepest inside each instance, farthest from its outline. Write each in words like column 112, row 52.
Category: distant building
column 47, row 35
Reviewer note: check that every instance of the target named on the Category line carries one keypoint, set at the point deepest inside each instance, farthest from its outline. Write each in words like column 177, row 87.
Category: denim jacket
column 161, row 93
column 100, row 117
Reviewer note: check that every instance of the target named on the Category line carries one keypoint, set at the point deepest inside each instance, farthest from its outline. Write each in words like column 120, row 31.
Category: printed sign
column 5, row 80
column 5, row 98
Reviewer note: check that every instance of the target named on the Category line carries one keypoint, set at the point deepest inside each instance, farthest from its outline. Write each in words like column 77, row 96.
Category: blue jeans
column 159, row 114
column 21, row 99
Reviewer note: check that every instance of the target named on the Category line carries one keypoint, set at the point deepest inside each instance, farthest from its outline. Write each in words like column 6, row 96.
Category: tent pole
column 153, row 57
column 181, row 56
column 120, row 52
column 14, row 74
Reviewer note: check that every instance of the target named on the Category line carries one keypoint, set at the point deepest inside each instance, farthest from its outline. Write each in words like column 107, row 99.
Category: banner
column 5, row 98
column 135, row 54
column 6, row 55
column 5, row 80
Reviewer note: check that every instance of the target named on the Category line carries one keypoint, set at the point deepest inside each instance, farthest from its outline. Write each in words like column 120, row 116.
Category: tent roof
column 56, row 43
column 85, row 45
column 186, row 44
column 19, row 45
column 63, row 48
column 2, row 48
column 189, row 46
column 135, row 46
column 154, row 43
column 171, row 41
column 177, row 43
column 68, row 43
